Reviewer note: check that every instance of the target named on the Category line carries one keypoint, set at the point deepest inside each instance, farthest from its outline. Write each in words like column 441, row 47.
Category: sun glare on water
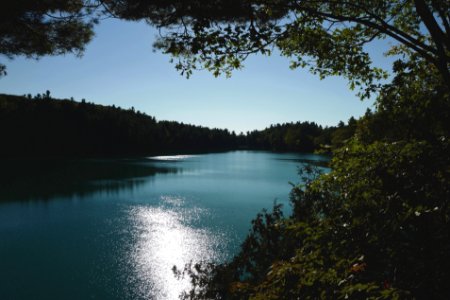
column 171, row 157
column 165, row 238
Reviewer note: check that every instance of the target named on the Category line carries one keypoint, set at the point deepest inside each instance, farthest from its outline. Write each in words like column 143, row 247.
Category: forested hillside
column 301, row 136
column 41, row 126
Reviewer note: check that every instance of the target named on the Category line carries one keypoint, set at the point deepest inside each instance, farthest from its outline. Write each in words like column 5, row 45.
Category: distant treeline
column 300, row 137
column 45, row 127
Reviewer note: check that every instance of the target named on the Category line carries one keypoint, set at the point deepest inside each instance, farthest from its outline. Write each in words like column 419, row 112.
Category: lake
column 113, row 229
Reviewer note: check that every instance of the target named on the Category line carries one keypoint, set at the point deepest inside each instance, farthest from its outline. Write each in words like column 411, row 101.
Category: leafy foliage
column 327, row 37
column 376, row 227
column 37, row 28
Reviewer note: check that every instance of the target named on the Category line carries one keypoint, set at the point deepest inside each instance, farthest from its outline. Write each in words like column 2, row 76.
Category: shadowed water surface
column 113, row 229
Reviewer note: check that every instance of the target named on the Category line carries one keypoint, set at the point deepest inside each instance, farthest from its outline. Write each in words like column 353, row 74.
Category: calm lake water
column 113, row 229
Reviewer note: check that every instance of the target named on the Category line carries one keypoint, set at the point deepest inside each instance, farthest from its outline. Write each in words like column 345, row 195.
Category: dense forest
column 40, row 126
column 301, row 136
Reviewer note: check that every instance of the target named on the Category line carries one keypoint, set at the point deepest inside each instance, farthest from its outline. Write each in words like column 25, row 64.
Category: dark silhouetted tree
column 38, row 28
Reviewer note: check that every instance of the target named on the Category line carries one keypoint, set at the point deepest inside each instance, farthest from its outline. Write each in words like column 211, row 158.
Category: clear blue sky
column 119, row 67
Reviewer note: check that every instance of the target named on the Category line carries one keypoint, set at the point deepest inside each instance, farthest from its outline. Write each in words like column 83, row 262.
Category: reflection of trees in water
column 45, row 179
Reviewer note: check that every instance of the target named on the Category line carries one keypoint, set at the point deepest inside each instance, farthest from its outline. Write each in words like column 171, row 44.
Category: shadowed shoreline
column 43, row 179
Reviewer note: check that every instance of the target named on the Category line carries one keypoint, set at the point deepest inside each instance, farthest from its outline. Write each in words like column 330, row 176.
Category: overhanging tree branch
column 439, row 39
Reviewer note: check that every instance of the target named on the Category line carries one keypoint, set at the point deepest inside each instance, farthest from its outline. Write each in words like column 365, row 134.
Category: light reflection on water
column 171, row 157
column 165, row 237
column 113, row 229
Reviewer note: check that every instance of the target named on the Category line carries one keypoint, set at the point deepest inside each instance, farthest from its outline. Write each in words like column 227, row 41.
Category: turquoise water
column 113, row 229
